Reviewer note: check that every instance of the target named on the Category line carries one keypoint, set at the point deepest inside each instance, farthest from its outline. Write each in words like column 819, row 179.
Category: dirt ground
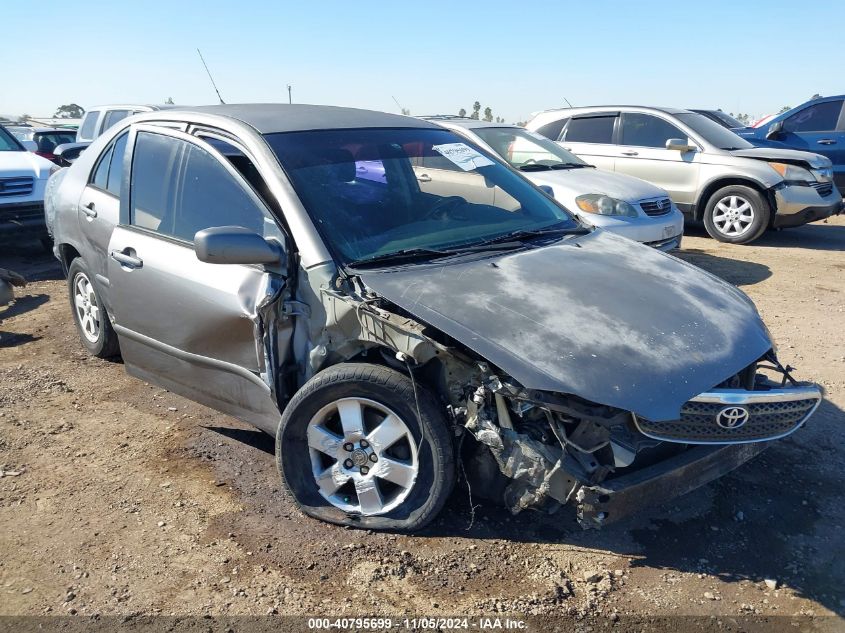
column 119, row 498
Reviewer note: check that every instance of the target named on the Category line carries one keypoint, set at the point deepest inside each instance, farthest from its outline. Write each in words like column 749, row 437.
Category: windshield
column 372, row 192
column 727, row 119
column 9, row 143
column 522, row 148
column 712, row 132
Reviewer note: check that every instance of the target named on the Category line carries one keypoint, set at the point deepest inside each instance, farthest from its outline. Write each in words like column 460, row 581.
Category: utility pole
column 290, row 100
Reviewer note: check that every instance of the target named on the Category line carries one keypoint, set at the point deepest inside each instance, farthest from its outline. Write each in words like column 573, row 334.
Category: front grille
column 18, row 186
column 656, row 207
column 18, row 212
column 775, row 414
column 824, row 188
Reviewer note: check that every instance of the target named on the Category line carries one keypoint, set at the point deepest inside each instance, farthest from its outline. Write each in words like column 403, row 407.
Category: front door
column 641, row 152
column 819, row 128
column 192, row 327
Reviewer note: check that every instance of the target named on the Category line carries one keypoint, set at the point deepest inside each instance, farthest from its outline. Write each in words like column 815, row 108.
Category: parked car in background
column 815, row 126
column 23, row 178
column 22, row 132
column 383, row 330
column 48, row 139
column 712, row 174
column 100, row 118
column 618, row 203
column 722, row 118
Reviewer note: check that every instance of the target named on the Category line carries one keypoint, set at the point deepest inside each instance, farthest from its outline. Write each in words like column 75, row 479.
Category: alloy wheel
column 363, row 456
column 87, row 308
column 733, row 215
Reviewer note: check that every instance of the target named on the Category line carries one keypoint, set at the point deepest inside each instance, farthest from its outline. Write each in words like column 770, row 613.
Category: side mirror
column 680, row 145
column 775, row 130
column 235, row 245
column 69, row 152
column 30, row 146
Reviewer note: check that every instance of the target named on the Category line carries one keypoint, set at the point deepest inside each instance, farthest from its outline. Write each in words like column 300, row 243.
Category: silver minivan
column 711, row 174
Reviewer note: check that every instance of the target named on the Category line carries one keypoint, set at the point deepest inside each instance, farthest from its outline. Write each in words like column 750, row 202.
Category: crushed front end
column 555, row 449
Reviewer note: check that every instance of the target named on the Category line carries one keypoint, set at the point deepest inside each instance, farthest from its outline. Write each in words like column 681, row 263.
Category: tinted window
column 552, row 130
column 590, row 130
column 821, row 117
column 179, row 189
column 113, row 117
column 86, row 131
column 645, row 130
column 712, row 132
column 116, row 167
column 101, row 174
column 361, row 219
column 48, row 141
column 8, row 143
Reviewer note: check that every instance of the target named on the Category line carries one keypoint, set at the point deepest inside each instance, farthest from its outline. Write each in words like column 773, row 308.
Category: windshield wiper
column 570, row 166
column 396, row 257
column 534, row 167
column 523, row 234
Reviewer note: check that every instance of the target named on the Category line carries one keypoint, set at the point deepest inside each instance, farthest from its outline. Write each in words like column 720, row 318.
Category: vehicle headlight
column 793, row 173
column 605, row 205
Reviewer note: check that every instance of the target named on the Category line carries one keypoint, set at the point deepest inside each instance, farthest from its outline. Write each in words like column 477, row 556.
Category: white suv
column 100, row 118
column 23, row 177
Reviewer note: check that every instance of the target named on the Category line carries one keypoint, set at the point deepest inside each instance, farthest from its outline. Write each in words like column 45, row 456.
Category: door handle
column 124, row 258
column 424, row 178
column 630, row 153
column 89, row 210
column 826, row 141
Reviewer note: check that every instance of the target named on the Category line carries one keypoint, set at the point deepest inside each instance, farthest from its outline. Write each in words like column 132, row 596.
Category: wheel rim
column 87, row 308
column 733, row 215
column 363, row 456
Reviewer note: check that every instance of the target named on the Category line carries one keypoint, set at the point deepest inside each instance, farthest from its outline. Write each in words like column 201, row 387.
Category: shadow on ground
column 735, row 271
column 30, row 259
column 816, row 236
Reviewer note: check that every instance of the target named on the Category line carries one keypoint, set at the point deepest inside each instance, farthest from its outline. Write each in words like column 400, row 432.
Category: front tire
column 353, row 449
column 736, row 214
column 92, row 321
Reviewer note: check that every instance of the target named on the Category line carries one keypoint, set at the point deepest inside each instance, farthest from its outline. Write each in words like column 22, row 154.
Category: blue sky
column 432, row 56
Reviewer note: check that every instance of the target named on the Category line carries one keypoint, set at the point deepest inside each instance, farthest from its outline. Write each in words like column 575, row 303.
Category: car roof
column 41, row 130
column 270, row 118
column 611, row 108
column 465, row 122
column 130, row 106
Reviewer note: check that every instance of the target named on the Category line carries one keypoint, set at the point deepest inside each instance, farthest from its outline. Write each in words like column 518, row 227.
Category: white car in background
column 621, row 204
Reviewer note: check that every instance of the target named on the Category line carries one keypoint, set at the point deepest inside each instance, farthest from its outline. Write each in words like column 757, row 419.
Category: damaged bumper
column 618, row 498
column 801, row 205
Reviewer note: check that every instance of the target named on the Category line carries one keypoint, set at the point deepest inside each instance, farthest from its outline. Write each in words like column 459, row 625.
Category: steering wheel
column 442, row 207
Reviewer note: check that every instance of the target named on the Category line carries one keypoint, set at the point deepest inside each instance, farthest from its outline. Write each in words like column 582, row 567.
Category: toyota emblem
column 732, row 417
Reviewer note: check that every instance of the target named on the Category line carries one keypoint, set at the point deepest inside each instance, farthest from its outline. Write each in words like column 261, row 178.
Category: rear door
column 642, row 153
column 192, row 327
column 819, row 128
column 590, row 136
column 99, row 211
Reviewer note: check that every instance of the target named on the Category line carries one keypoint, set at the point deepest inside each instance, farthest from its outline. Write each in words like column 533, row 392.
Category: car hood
column 586, row 180
column 24, row 164
column 788, row 155
column 597, row 316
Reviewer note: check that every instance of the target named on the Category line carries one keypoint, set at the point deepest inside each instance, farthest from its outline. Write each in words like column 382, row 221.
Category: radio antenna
column 567, row 102
column 210, row 77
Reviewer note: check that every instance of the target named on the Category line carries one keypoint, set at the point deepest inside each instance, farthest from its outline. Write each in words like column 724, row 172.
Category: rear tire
column 736, row 214
column 91, row 318
column 353, row 449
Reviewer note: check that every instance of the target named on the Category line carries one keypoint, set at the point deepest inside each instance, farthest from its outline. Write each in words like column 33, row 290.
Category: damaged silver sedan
column 388, row 300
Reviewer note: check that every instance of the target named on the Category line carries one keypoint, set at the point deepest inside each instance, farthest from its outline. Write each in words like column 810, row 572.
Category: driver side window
column 179, row 188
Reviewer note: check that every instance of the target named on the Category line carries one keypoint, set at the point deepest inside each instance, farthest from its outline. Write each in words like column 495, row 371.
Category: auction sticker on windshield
column 462, row 155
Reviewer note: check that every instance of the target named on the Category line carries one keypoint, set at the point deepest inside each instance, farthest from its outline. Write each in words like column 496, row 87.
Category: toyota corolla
column 247, row 258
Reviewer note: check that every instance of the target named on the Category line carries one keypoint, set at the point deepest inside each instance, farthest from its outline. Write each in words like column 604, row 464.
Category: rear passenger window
column 116, row 167
column 552, row 130
column 179, row 189
column 101, row 174
column 645, row 130
column 109, row 171
column 598, row 129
